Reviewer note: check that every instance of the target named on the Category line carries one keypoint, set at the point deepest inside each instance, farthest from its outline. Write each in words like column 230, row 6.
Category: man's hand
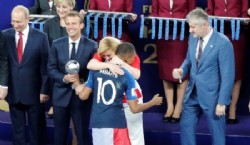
column 3, row 93
column 82, row 12
column 177, row 73
column 220, row 110
column 249, row 106
column 76, row 83
column 157, row 99
column 79, row 88
column 43, row 98
column 133, row 17
column 71, row 78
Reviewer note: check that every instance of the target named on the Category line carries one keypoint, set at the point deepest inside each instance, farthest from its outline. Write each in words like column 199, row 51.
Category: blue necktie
column 73, row 51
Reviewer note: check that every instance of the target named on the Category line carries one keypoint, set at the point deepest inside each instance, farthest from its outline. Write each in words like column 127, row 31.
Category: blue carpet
column 159, row 133
column 156, row 132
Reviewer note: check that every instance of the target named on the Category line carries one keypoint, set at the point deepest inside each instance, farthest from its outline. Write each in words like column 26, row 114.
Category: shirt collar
column 207, row 37
column 25, row 31
column 77, row 41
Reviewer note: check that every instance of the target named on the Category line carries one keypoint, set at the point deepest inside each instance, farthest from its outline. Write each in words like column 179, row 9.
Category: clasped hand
column 71, row 78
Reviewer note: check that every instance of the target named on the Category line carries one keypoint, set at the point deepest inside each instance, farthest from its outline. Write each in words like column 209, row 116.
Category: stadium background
column 146, row 50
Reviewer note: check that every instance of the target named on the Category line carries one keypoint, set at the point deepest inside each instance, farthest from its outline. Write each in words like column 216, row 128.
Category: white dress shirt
column 205, row 41
column 25, row 37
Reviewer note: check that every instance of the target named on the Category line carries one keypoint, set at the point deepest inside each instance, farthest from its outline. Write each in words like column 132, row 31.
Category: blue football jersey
column 108, row 91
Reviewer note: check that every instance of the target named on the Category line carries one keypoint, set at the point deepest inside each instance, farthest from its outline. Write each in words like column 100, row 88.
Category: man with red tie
column 27, row 51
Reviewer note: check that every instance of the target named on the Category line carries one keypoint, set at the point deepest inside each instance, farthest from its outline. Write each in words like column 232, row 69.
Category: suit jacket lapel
column 65, row 46
column 27, row 47
column 13, row 46
column 193, row 53
column 80, row 48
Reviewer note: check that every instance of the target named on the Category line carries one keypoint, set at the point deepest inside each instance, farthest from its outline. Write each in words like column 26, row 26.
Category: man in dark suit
column 210, row 63
column 28, row 80
column 66, row 103
column 4, row 71
column 43, row 7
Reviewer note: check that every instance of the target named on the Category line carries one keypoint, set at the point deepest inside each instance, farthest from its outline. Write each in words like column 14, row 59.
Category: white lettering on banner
column 147, row 9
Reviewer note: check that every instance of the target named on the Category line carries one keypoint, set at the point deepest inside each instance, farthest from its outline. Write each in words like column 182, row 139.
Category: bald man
column 28, row 80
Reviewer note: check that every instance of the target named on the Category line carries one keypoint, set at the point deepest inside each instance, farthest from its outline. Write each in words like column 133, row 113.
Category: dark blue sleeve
column 131, row 86
column 90, row 80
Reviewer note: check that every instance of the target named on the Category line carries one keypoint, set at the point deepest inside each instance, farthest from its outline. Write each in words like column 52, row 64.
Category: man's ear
column 206, row 24
column 82, row 25
column 126, row 58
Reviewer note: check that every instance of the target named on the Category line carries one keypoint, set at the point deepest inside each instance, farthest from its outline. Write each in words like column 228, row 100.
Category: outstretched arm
column 136, row 108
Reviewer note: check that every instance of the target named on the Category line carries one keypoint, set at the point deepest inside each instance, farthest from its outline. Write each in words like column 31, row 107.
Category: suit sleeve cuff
column 5, row 87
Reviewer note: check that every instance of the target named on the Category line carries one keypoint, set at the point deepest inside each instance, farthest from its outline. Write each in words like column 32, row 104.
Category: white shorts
column 135, row 125
column 110, row 136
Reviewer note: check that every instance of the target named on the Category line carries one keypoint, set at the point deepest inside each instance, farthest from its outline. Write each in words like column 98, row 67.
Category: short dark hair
column 124, row 49
column 76, row 14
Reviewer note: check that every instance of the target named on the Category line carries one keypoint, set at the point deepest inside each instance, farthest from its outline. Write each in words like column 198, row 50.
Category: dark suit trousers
column 190, row 115
column 18, row 117
column 79, row 111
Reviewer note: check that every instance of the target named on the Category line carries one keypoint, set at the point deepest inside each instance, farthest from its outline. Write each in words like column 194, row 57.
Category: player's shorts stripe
column 121, row 136
column 103, row 136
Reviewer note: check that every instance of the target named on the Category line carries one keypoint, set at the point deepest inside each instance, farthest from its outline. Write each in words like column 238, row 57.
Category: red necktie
column 20, row 47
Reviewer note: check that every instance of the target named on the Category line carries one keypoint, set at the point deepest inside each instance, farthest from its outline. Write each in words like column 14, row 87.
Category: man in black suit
column 27, row 50
column 66, row 103
column 4, row 72
column 43, row 7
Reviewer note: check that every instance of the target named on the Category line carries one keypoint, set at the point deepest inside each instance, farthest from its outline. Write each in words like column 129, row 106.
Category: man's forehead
column 18, row 14
column 72, row 19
